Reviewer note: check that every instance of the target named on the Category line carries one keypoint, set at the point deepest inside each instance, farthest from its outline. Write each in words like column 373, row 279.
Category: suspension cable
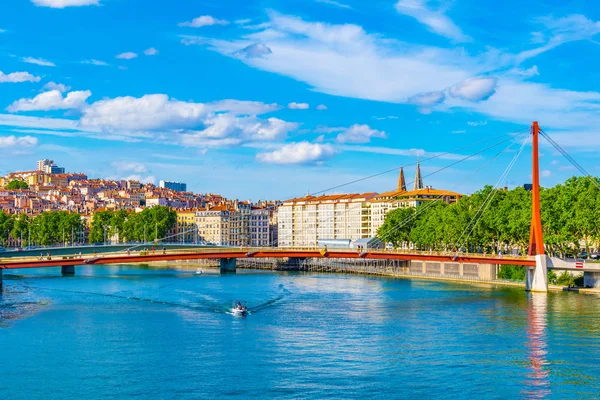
column 511, row 138
column 480, row 212
column 569, row 158
column 424, row 160
column 422, row 209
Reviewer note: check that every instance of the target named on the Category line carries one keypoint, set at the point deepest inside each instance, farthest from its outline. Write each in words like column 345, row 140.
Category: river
column 131, row 332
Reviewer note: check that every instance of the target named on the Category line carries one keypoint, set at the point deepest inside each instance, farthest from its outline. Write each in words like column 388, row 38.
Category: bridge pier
column 68, row 270
column 227, row 265
column 591, row 279
column 296, row 261
column 536, row 278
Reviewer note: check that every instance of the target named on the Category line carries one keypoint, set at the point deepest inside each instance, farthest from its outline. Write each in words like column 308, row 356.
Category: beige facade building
column 239, row 225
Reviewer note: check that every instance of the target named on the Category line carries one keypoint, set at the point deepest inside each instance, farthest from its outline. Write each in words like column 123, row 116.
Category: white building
column 303, row 221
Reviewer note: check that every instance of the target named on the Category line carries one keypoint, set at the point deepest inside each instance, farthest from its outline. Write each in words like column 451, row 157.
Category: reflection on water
column 107, row 332
column 537, row 384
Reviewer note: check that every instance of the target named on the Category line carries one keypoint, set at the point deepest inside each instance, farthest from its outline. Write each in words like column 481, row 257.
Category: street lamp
column 104, row 231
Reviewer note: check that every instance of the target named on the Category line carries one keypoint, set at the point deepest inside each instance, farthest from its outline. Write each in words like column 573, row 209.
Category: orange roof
column 429, row 192
column 332, row 197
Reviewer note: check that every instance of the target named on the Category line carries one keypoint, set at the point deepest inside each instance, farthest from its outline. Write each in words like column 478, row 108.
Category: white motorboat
column 239, row 308
column 199, row 271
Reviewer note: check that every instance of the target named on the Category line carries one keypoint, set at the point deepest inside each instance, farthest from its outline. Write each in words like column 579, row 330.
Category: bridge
column 537, row 263
column 444, row 263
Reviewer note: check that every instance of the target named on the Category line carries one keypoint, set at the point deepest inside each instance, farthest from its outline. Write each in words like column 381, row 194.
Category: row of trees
column 58, row 227
column 150, row 224
column 43, row 229
column 570, row 215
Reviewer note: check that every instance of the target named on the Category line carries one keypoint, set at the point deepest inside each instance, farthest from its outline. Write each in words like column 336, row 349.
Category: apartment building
column 304, row 221
column 258, row 227
column 218, row 225
column 185, row 230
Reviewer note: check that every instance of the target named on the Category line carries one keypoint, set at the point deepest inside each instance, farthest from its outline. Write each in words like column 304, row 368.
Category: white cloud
column 384, row 118
column 2, row 30
column 151, row 51
column 459, row 131
column 151, row 112
column 130, row 166
column 143, row 179
column 95, row 62
column 256, row 50
column 334, row 3
column 559, row 31
column 240, row 107
column 14, row 141
column 545, row 173
column 327, row 57
column 526, row 73
column 298, row 153
column 65, row 3
column 427, row 99
column 38, row 61
column 18, row 77
column 127, row 55
column 474, row 89
column 476, row 123
column 517, row 101
column 298, row 106
column 435, row 20
column 321, row 107
column 157, row 111
column 204, row 20
column 359, row 134
column 51, row 100
column 227, row 129
column 57, row 86
column 37, row 122
column 404, row 152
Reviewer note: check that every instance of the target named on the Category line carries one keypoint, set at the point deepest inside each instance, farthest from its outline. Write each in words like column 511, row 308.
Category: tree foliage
column 151, row 224
column 58, row 227
column 570, row 215
column 47, row 228
column 16, row 184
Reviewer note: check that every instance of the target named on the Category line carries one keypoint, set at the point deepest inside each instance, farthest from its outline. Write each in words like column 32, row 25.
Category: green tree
column 6, row 226
column 21, row 229
column 16, row 184
column 397, row 226
column 100, row 226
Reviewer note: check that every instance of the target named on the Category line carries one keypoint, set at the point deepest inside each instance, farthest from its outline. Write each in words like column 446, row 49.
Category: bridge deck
column 175, row 255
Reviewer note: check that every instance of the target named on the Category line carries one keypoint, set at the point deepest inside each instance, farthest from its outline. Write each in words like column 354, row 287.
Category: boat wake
column 205, row 303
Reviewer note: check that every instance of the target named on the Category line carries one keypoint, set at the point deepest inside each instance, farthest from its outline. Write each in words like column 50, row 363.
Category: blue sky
column 273, row 99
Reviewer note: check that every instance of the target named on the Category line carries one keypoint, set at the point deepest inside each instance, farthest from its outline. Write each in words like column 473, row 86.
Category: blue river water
column 131, row 332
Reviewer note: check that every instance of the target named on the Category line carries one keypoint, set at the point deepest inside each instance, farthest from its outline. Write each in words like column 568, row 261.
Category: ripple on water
column 126, row 332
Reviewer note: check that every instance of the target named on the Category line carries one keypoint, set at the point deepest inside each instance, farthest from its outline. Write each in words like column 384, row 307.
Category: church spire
column 418, row 178
column 401, row 181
